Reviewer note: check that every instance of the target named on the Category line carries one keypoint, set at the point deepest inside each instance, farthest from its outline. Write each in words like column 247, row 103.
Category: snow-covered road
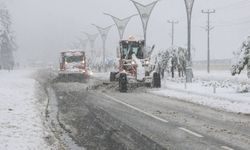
column 108, row 119
column 96, row 116
column 21, row 123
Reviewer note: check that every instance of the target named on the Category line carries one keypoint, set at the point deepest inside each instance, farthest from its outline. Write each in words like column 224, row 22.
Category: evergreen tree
column 7, row 42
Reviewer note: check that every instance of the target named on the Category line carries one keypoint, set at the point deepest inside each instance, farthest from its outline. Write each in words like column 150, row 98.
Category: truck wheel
column 123, row 83
column 112, row 76
column 82, row 79
column 156, row 80
column 60, row 77
column 148, row 85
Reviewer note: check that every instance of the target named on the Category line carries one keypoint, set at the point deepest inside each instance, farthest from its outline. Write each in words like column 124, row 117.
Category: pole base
column 189, row 74
column 248, row 70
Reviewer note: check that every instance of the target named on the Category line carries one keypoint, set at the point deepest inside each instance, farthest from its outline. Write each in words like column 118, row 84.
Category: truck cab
column 73, row 64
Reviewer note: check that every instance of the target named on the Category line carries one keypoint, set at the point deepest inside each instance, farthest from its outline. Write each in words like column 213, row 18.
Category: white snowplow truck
column 135, row 66
column 73, row 66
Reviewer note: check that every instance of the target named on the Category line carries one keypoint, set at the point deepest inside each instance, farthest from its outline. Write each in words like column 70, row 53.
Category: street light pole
column 92, row 38
column 189, row 72
column 121, row 24
column 104, row 33
column 145, row 12
column 83, row 43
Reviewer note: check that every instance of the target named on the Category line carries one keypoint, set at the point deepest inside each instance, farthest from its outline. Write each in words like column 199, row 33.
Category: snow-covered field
column 21, row 124
column 201, row 91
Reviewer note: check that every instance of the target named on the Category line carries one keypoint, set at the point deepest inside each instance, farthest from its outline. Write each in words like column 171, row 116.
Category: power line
column 208, row 29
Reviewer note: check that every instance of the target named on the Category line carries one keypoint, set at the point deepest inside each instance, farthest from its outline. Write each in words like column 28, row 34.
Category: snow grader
column 135, row 67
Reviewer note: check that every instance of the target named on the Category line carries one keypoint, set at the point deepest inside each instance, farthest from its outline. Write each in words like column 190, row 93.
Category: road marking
column 227, row 148
column 137, row 109
column 160, row 119
column 191, row 132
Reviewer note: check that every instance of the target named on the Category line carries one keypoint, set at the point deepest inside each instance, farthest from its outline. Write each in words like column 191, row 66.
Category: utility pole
column 173, row 23
column 208, row 29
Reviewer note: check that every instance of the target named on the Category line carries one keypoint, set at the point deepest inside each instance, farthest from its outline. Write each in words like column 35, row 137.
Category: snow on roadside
column 218, row 103
column 101, row 76
column 21, row 125
column 221, row 75
column 225, row 98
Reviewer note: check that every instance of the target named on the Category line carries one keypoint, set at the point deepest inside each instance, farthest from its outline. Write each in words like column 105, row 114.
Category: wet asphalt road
column 102, row 118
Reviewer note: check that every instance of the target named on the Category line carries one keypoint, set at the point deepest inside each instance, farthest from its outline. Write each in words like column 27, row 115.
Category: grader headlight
column 133, row 62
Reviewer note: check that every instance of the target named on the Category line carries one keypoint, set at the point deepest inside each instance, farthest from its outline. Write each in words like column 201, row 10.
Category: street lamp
column 145, row 12
column 189, row 72
column 104, row 33
column 91, row 38
column 83, row 43
column 121, row 24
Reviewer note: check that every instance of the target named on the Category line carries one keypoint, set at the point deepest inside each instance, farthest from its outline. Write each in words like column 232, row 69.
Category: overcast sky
column 45, row 27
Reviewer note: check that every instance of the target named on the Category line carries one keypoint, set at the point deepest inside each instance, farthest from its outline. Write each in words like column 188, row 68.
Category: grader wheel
column 123, row 83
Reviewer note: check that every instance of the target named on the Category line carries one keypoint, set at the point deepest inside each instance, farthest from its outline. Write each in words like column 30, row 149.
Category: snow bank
column 222, row 75
column 101, row 76
column 223, row 97
column 21, row 126
column 240, row 105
